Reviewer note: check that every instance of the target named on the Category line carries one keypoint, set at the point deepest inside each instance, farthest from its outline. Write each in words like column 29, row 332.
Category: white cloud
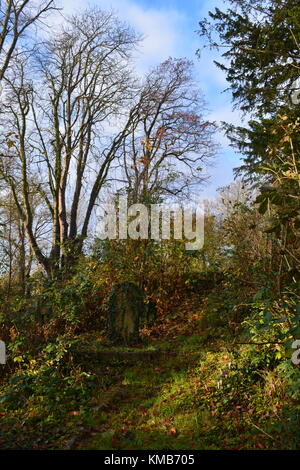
column 162, row 29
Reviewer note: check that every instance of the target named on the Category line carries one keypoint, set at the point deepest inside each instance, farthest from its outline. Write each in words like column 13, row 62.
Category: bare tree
column 16, row 16
column 56, row 122
column 15, row 251
column 172, row 140
column 73, row 109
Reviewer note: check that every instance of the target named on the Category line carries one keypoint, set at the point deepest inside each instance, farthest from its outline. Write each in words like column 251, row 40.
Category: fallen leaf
column 173, row 432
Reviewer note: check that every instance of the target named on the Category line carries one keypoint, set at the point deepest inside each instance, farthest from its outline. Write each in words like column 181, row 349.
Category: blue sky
column 169, row 30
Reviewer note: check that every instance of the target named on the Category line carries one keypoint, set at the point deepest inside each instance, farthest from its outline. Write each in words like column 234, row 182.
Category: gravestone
column 126, row 309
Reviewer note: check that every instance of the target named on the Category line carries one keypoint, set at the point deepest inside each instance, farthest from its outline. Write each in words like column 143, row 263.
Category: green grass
column 176, row 403
column 179, row 400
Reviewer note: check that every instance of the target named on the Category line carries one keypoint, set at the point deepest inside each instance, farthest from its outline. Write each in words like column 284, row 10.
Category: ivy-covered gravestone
column 126, row 309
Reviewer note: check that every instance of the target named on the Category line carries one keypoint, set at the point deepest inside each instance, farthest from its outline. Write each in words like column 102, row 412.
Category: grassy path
column 199, row 393
column 172, row 402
